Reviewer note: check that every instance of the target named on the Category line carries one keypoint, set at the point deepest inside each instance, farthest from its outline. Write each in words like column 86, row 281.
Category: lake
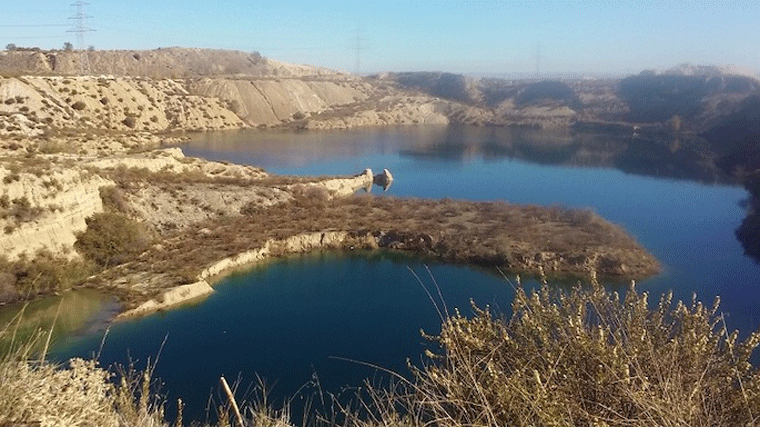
column 317, row 321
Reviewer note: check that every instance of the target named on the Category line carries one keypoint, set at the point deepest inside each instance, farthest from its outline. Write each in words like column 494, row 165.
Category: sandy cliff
column 46, row 211
column 269, row 102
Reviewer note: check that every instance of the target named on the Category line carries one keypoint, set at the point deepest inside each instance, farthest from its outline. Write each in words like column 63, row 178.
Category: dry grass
column 35, row 392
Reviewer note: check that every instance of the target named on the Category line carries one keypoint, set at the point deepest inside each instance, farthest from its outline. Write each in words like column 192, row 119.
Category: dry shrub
column 52, row 147
column 36, row 392
column 43, row 274
column 130, row 122
column 112, row 239
column 114, row 200
column 587, row 357
column 43, row 393
column 20, row 209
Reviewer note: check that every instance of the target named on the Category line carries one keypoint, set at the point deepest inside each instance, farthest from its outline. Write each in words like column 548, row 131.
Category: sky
column 470, row 37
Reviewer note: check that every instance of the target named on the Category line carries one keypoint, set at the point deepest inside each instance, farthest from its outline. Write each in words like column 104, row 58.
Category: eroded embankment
column 514, row 237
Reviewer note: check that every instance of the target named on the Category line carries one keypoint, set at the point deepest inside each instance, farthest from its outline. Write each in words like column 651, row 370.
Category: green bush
column 112, row 239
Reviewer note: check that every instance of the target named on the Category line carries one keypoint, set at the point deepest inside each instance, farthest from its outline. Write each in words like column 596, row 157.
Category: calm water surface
column 294, row 320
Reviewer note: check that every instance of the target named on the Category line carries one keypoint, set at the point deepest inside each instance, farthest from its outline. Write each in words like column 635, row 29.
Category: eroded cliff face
column 45, row 199
column 37, row 106
column 270, row 102
column 46, row 210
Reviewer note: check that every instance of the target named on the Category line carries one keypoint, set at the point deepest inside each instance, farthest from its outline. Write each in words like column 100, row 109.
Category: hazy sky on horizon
column 459, row 36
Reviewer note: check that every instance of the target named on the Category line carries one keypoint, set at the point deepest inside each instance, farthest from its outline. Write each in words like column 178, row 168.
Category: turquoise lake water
column 297, row 319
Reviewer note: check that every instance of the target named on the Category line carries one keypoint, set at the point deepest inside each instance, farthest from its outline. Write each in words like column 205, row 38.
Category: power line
column 33, row 25
column 359, row 47
column 80, row 28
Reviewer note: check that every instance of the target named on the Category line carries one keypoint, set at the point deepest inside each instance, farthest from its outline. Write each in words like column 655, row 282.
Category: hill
column 163, row 63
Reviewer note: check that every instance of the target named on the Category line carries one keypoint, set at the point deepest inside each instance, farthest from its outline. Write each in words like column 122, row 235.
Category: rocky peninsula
column 155, row 227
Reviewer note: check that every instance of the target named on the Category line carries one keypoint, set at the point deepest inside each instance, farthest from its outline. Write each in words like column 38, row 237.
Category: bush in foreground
column 588, row 357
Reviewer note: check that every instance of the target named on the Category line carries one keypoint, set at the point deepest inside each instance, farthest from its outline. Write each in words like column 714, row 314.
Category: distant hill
column 547, row 90
column 174, row 62
column 736, row 137
column 697, row 95
column 482, row 92
column 454, row 87
column 688, row 69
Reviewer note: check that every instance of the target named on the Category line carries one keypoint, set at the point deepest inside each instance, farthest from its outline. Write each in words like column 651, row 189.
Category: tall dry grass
column 587, row 357
column 37, row 392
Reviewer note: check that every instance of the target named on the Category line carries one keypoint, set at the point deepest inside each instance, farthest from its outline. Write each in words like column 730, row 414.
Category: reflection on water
column 293, row 152
column 75, row 314
column 666, row 193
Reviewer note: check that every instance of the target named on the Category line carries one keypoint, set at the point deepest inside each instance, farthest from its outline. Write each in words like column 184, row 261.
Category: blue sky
column 459, row 36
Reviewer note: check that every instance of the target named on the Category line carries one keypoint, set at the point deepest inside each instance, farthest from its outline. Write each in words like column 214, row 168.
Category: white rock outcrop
column 171, row 298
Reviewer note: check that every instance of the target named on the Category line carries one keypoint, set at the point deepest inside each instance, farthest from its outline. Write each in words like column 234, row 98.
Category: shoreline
column 214, row 273
column 416, row 244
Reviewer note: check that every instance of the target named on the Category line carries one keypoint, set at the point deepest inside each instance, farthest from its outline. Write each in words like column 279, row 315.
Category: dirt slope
column 173, row 62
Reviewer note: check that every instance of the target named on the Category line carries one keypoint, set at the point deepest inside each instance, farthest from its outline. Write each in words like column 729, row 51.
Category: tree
column 68, row 46
column 91, row 48
column 11, row 46
column 112, row 239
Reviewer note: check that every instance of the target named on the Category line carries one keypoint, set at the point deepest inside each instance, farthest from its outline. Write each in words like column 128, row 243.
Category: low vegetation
column 43, row 274
column 35, row 392
column 590, row 357
column 586, row 356
column 112, row 238
column 488, row 233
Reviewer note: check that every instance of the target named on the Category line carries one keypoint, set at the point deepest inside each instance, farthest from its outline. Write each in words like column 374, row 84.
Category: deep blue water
column 293, row 318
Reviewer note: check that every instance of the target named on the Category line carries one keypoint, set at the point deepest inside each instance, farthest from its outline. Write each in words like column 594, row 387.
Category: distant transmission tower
column 538, row 61
column 80, row 27
column 359, row 47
